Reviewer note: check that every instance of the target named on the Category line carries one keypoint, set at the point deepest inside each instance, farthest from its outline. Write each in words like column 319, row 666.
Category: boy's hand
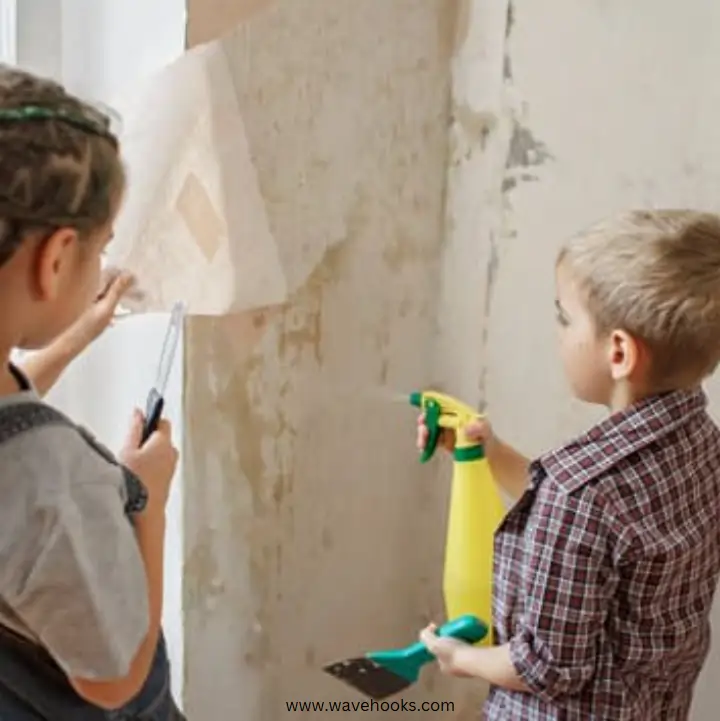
column 480, row 431
column 154, row 462
column 463, row 660
column 445, row 650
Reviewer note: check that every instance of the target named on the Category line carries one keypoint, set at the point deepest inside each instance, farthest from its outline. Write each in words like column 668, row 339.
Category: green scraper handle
column 407, row 662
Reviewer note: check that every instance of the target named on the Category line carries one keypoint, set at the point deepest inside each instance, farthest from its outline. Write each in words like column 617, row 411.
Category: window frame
column 8, row 31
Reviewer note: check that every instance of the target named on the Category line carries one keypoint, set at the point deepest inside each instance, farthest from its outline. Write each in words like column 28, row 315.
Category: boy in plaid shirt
column 606, row 567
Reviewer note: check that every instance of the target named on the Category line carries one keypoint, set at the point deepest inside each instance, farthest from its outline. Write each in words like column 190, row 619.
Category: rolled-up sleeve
column 566, row 584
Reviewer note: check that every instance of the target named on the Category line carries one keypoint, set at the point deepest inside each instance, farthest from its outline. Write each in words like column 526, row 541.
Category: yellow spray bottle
column 476, row 510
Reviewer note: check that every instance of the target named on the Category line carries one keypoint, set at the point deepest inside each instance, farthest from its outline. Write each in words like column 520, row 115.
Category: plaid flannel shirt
column 605, row 569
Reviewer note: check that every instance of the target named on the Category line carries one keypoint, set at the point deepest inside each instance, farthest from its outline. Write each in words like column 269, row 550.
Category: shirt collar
column 620, row 435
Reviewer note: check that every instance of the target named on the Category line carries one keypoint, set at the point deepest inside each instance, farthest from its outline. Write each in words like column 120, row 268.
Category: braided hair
column 59, row 161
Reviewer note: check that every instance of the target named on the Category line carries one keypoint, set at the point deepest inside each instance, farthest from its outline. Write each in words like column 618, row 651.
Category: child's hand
column 46, row 365
column 115, row 284
column 90, row 325
column 480, row 431
column 445, row 650
column 154, row 462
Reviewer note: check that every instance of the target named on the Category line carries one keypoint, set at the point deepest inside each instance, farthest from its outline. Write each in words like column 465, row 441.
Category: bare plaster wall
column 312, row 531
column 605, row 105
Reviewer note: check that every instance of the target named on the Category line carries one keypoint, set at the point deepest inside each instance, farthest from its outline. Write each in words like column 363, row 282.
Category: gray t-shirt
column 71, row 574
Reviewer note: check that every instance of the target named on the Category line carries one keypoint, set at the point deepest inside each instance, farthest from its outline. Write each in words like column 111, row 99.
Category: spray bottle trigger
column 432, row 421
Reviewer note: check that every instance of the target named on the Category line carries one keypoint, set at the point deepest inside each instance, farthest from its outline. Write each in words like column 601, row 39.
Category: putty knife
column 156, row 398
column 380, row 674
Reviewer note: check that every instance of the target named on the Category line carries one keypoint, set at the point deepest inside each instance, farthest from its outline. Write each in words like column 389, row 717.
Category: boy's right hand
column 480, row 431
column 153, row 462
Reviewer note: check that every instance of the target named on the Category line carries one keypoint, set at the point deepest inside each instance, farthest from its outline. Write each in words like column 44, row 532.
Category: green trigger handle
column 407, row 662
column 432, row 411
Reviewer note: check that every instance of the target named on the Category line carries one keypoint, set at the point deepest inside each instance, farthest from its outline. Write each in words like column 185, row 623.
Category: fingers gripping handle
column 153, row 412
column 466, row 628
column 409, row 660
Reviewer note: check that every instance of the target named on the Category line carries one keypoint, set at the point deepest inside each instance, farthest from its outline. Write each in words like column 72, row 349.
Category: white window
column 8, row 31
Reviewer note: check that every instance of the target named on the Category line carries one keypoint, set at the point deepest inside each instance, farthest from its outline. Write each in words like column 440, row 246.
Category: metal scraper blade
column 368, row 677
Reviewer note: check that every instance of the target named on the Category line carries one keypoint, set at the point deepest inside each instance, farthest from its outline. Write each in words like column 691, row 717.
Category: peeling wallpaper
column 421, row 160
column 312, row 531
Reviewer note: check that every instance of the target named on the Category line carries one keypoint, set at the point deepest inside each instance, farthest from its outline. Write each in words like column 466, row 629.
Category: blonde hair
column 656, row 275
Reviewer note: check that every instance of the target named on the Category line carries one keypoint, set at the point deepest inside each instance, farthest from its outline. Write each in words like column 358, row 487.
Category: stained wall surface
column 311, row 533
column 604, row 105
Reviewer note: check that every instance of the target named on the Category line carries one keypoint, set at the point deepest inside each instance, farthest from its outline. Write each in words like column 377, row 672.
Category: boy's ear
column 628, row 356
column 55, row 260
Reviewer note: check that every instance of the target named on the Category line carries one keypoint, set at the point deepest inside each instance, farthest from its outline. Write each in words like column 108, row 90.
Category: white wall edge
column 8, row 31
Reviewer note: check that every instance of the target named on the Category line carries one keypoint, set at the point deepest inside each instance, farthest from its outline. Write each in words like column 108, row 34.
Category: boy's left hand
column 446, row 651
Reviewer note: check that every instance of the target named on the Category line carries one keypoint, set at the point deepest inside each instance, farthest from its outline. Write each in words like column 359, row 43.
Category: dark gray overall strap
column 26, row 416
column 29, row 415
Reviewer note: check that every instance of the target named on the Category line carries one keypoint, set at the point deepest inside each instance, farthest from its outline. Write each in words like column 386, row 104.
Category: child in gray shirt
column 81, row 532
